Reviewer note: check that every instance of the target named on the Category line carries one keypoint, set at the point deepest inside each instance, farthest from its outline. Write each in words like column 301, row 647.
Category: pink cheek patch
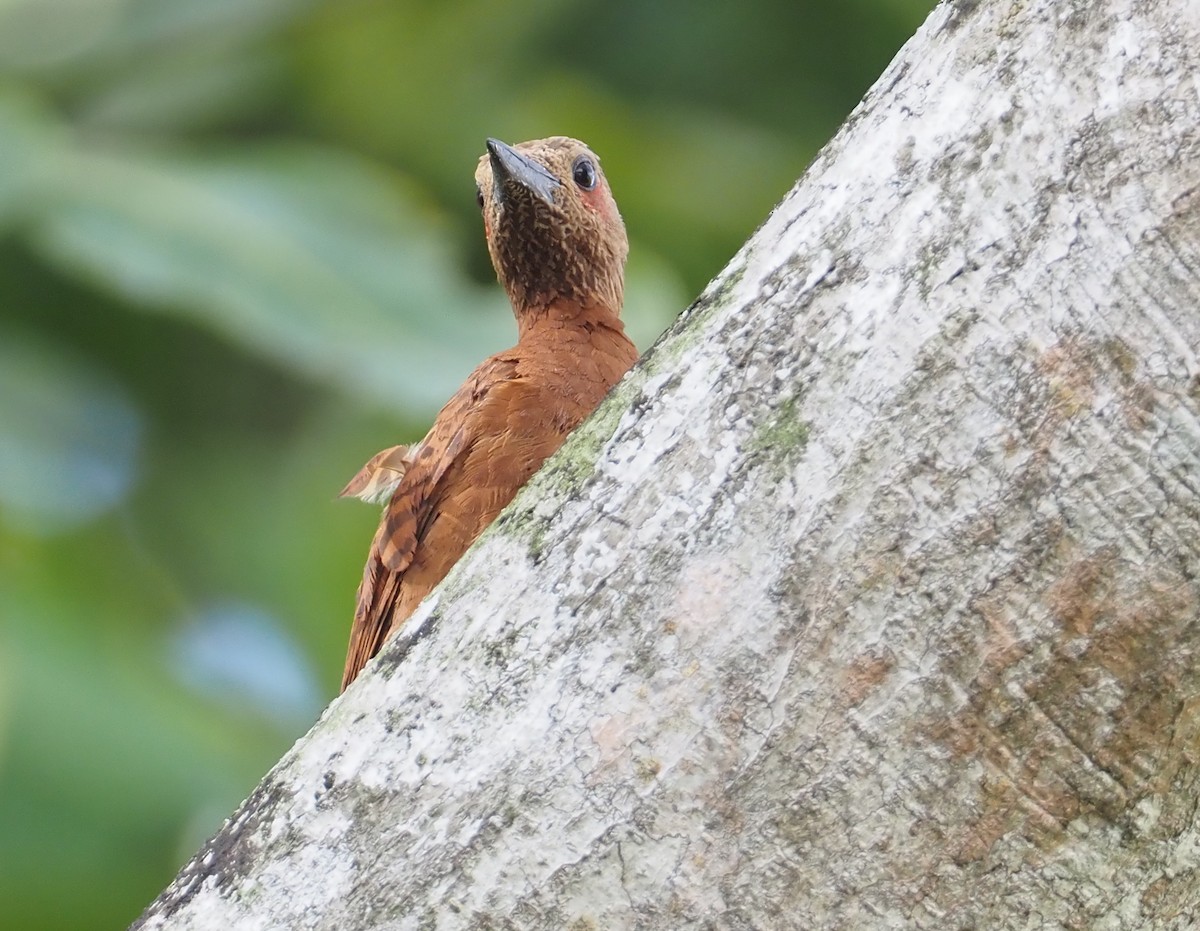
column 599, row 200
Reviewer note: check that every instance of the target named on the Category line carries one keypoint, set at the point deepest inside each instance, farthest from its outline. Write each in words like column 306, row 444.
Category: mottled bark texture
column 870, row 600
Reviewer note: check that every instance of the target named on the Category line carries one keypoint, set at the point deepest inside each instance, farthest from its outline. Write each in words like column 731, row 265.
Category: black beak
column 511, row 167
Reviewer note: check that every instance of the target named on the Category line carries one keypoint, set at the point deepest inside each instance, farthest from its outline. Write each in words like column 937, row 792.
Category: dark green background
column 239, row 253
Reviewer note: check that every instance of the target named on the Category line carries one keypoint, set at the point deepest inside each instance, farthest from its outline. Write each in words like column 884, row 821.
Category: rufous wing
column 377, row 481
column 431, row 472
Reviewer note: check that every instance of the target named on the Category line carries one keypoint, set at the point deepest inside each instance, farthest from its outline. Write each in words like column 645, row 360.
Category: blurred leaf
column 27, row 137
column 47, row 36
column 319, row 260
column 238, row 655
column 202, row 85
column 38, row 35
column 68, row 439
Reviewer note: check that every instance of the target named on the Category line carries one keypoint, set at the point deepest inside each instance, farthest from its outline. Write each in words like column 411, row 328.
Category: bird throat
column 542, row 320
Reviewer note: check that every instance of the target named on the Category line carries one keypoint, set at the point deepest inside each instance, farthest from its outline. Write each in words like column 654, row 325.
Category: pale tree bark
column 870, row 600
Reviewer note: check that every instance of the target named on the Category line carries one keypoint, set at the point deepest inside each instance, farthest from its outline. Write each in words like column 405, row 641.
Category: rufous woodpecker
column 558, row 245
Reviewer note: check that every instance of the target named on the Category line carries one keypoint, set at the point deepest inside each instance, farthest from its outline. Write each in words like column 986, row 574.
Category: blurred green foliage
column 239, row 252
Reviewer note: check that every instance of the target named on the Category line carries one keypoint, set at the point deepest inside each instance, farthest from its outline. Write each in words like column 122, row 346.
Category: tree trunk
column 869, row 600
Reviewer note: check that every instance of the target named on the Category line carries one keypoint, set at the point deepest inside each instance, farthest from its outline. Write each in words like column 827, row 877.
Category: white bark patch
column 868, row 600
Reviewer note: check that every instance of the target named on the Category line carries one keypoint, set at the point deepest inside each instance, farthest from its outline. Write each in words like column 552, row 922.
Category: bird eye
column 479, row 196
column 584, row 173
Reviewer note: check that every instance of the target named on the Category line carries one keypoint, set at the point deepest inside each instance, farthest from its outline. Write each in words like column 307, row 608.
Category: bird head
column 553, row 229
